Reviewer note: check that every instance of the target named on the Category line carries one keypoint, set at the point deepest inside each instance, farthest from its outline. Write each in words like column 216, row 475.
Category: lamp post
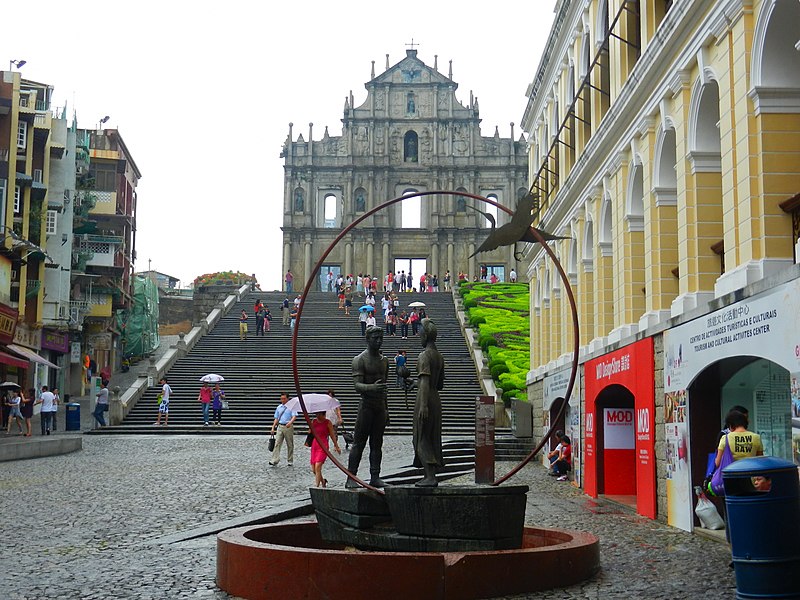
column 18, row 63
column 103, row 121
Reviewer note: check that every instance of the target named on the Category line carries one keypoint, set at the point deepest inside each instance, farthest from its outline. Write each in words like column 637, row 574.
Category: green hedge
column 500, row 312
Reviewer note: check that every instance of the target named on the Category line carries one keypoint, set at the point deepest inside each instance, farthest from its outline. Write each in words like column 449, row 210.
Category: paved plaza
column 109, row 521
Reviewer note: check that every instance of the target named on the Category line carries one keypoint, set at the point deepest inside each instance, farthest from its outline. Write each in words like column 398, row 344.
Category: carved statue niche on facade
column 299, row 200
column 411, row 105
column 410, row 146
column 379, row 100
column 360, row 200
column 362, row 141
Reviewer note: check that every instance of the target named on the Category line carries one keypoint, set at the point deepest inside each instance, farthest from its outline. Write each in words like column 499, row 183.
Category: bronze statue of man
column 428, row 407
column 370, row 375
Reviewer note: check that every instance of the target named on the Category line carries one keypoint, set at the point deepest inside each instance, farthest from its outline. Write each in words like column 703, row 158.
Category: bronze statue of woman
column 428, row 407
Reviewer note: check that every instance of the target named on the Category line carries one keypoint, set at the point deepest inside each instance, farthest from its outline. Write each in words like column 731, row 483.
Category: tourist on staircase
column 204, row 397
column 285, row 311
column 243, row 326
column 217, row 399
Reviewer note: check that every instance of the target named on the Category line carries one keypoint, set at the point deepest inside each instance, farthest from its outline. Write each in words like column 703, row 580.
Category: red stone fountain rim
column 313, row 276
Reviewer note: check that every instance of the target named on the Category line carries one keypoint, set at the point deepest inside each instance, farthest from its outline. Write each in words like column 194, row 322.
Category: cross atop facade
column 412, row 44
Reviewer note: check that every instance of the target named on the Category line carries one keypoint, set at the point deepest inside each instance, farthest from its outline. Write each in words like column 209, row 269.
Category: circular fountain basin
column 293, row 561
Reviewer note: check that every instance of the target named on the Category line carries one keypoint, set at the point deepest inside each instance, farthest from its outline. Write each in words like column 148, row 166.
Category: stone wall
column 207, row 297
column 661, row 444
column 174, row 309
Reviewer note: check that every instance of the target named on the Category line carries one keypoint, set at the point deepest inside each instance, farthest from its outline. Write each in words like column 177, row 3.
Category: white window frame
column 17, row 200
column 22, row 134
column 51, row 225
column 38, row 174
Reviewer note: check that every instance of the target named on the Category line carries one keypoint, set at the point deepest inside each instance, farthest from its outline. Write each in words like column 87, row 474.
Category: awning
column 13, row 361
column 31, row 355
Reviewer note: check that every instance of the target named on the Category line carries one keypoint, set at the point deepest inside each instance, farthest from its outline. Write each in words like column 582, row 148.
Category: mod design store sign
column 765, row 326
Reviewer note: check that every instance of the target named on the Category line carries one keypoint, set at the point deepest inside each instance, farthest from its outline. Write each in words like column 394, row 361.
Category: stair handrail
column 134, row 393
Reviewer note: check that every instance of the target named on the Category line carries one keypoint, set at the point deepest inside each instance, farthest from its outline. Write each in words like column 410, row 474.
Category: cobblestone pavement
column 85, row 525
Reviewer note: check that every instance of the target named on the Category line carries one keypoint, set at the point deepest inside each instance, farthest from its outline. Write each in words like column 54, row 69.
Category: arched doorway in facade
column 759, row 385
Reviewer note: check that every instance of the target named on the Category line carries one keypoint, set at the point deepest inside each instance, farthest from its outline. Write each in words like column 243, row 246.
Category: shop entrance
column 616, row 441
column 759, row 385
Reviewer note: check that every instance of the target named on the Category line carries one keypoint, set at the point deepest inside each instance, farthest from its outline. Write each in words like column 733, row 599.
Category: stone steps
column 258, row 369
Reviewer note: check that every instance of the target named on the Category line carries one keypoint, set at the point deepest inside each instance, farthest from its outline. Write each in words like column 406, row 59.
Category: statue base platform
column 293, row 561
column 419, row 519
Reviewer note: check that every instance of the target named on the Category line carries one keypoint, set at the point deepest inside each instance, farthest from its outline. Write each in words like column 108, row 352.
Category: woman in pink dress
column 323, row 427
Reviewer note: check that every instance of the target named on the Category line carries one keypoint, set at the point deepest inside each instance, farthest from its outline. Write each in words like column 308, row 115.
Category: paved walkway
column 92, row 524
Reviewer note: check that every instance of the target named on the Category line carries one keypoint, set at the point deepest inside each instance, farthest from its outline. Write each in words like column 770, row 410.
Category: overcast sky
column 202, row 93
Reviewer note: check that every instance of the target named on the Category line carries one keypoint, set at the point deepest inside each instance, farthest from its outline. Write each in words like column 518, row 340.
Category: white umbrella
column 314, row 403
column 416, row 304
column 212, row 378
column 10, row 385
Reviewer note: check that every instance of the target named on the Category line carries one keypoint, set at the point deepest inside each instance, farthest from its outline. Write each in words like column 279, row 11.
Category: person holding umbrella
column 363, row 315
column 323, row 430
column 204, row 397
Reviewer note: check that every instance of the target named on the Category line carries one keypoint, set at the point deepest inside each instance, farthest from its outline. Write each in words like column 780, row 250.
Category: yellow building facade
column 665, row 142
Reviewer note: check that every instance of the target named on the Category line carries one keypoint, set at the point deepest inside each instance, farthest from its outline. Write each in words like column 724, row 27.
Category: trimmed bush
column 501, row 312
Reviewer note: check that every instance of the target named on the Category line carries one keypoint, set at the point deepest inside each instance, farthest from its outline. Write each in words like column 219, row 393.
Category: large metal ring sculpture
column 313, row 276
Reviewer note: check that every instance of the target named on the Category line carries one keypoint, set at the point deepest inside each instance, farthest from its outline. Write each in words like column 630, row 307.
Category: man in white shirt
column 163, row 406
column 47, row 400
column 513, row 276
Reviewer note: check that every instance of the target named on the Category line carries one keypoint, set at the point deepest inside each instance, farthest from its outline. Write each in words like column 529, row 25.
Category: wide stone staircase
column 258, row 369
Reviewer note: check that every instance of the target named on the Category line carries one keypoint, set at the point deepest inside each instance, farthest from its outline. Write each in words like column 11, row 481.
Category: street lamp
column 103, row 121
column 19, row 64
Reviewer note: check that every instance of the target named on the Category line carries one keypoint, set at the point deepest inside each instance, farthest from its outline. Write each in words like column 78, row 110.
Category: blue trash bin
column 762, row 497
column 73, row 418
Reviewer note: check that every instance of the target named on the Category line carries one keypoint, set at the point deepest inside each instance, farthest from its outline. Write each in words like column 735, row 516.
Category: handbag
column 309, row 440
column 224, row 405
column 717, row 485
column 271, row 444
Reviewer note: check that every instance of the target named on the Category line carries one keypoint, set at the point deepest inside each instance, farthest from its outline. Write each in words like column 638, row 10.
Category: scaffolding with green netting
column 139, row 324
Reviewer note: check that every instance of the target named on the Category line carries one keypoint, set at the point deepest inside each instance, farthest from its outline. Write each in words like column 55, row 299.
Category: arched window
column 461, row 201
column 635, row 205
column 330, row 210
column 410, row 146
column 299, row 200
column 360, row 201
column 411, row 211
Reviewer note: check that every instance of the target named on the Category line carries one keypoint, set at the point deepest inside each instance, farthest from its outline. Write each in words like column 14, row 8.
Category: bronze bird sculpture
column 518, row 229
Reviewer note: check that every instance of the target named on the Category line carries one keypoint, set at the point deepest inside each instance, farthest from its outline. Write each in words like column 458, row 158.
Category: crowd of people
column 19, row 408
